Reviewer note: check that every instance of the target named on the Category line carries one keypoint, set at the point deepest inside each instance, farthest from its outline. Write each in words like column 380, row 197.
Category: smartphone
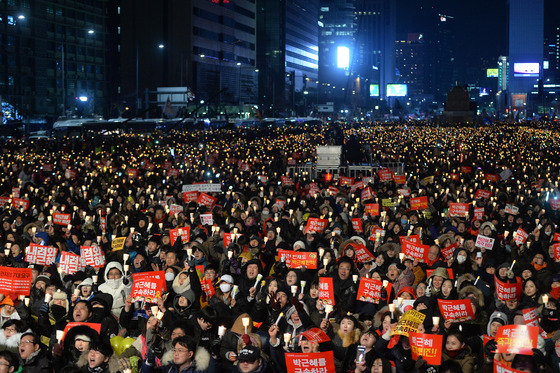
column 361, row 355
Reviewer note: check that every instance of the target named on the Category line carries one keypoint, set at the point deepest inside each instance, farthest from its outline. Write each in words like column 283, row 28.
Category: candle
column 94, row 277
column 302, row 283
column 126, row 266
column 287, row 337
column 26, row 301
column 221, row 331
column 125, row 257
column 435, row 320
column 154, row 310
column 77, row 292
column 545, row 299
column 59, row 335
column 401, row 256
column 6, row 252
column 392, row 309
column 355, row 278
column 328, row 309
column 234, row 291
column 294, row 290
column 259, row 277
column 245, row 321
column 325, row 262
column 189, row 252
column 229, row 254
column 159, row 315
column 385, row 283
column 512, row 264
column 47, row 298
column 279, row 317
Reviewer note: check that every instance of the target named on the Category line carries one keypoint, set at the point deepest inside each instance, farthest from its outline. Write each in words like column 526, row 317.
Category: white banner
column 212, row 188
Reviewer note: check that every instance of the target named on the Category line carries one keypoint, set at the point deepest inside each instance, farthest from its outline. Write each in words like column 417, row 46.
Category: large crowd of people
column 181, row 252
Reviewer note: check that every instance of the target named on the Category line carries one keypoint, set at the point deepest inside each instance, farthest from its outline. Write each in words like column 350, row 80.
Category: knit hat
column 498, row 317
column 46, row 279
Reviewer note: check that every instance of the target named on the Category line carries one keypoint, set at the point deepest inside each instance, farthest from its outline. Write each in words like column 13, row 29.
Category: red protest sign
column 454, row 176
column 333, row 190
column 385, row 175
column 357, row 225
column 399, row 179
column 361, row 254
column 70, row 325
column 448, row 251
column 344, row 181
column 419, row 203
column 466, row 169
column 460, row 310
column 404, row 192
column 93, row 256
column 175, row 209
column 286, row 181
column 485, row 242
column 190, row 196
column 458, row 209
column 326, row 292
column 356, row 186
column 557, row 252
column 184, row 233
column 426, row 345
column 318, row 362
column 316, row 225
column 173, row 172
column 415, row 250
column 500, row 367
column 206, row 200
column 167, row 165
column 70, row 174
column 48, row 167
column 298, row 259
column 42, row 255
column 207, row 288
column 517, row 339
column 132, row 173
column 366, row 194
column 479, row 212
column 507, row 291
column 372, row 209
column 554, row 204
column 229, row 237
column 491, row 177
column 412, row 238
column 520, row 236
column 316, row 335
column 481, row 193
column 15, row 281
column 531, row 316
column 69, row 262
column 20, row 203
column 62, row 219
column 148, row 286
column 4, row 201
column 556, row 237
column 15, row 192
column 449, row 271
column 369, row 290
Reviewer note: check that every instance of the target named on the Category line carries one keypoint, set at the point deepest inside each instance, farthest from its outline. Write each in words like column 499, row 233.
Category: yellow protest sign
column 409, row 323
column 118, row 243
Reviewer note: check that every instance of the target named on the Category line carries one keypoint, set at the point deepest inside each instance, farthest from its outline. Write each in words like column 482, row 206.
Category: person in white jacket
column 114, row 285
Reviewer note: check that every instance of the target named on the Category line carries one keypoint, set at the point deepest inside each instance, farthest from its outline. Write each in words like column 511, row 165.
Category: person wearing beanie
column 496, row 320
column 53, row 315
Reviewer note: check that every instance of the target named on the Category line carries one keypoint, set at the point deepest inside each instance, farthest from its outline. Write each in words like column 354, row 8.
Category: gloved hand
column 420, row 363
column 57, row 350
column 191, row 263
column 549, row 313
column 510, row 274
column 44, row 308
column 226, row 263
column 490, row 348
column 297, row 304
column 124, row 363
column 215, row 346
column 273, row 302
column 383, row 293
column 150, row 357
column 428, row 291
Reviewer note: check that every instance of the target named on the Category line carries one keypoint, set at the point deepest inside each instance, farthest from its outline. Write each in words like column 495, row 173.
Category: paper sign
column 207, row 219
column 369, row 290
column 387, row 202
column 399, row 179
column 511, row 209
column 190, row 196
column 556, row 237
column 517, row 339
column 404, row 192
column 147, row 286
column 507, row 291
column 366, row 194
column 500, row 367
column 415, row 250
column 412, row 238
column 48, row 167
column 298, row 259
column 385, row 175
column 316, row 225
column 319, row 362
column 20, row 203
column 15, row 281
column 316, row 335
column 173, row 172
column 485, row 242
column 454, row 176
column 554, row 203
column 557, row 252
column 419, row 203
column 326, row 291
column 132, row 173
column 118, row 243
column 372, row 209
column 175, row 209
column 69, row 262
column 458, row 209
column 229, row 238
column 429, row 346
column 466, row 169
column 481, row 193
column 491, row 177
column 15, row 192
column 409, row 323
column 207, row 288
column 357, row 225
column 448, row 251
column 62, row 219
column 206, row 200
column 70, row 174
column 42, row 255
column 184, row 233
column 345, row 181
column 93, row 256
column 479, row 212
column 521, row 237
column 209, row 188
column 531, row 316
column 460, row 310
column 361, row 254
column 286, row 181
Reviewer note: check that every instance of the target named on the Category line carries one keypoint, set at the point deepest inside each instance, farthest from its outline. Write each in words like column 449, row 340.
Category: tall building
column 411, row 63
column 207, row 45
column 287, row 55
column 53, row 59
column 526, row 45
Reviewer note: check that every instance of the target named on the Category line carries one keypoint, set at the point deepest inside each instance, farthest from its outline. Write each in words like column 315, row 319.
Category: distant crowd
column 200, row 252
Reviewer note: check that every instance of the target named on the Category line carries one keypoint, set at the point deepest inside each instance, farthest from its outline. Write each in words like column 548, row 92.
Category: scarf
column 98, row 369
column 539, row 267
column 454, row 353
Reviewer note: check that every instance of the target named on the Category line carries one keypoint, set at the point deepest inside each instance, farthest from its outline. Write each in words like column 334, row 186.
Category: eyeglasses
column 23, row 343
column 10, row 329
column 180, row 350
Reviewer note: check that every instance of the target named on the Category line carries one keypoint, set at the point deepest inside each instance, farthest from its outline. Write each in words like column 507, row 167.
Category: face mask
column 548, row 233
column 555, row 292
column 461, row 259
column 225, row 287
column 113, row 284
column 58, row 311
column 98, row 313
column 404, row 221
column 41, row 219
column 169, row 276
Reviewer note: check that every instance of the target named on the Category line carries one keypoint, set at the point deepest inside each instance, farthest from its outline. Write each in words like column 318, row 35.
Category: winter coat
column 466, row 359
column 118, row 290
column 111, row 367
column 38, row 362
column 202, row 363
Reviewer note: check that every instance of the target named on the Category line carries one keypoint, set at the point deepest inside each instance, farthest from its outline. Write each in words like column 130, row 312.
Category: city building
column 208, row 46
column 53, row 60
column 412, row 64
column 287, row 56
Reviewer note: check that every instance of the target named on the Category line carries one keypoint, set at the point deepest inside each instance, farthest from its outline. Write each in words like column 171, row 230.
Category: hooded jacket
column 118, row 290
column 202, row 363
